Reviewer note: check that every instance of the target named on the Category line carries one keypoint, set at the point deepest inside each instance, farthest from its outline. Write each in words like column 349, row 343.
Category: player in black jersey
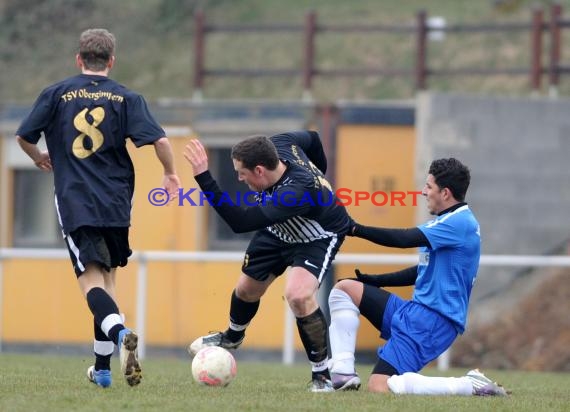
column 299, row 223
column 86, row 120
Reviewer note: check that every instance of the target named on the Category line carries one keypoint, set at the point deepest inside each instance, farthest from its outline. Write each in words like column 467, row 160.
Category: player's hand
column 43, row 162
column 359, row 275
column 196, row 155
column 366, row 279
column 171, row 184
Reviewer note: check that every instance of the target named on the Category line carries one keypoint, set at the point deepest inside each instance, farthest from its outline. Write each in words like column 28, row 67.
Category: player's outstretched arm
column 405, row 277
column 400, row 238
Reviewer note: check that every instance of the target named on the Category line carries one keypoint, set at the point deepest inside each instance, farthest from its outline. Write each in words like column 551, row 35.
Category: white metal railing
column 143, row 257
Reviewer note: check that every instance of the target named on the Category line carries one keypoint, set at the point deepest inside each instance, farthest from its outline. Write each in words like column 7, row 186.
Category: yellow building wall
column 373, row 158
column 42, row 302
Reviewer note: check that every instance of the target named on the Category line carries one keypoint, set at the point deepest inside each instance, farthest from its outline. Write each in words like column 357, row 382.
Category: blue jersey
column 447, row 270
column 86, row 120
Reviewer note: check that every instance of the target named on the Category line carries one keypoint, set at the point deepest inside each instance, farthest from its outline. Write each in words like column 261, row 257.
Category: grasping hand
column 196, row 155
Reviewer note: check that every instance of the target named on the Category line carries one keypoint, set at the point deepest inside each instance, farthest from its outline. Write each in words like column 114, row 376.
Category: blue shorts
column 415, row 335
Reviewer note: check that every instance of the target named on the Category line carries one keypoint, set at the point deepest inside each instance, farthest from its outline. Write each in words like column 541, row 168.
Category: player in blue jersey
column 419, row 330
column 298, row 223
column 86, row 121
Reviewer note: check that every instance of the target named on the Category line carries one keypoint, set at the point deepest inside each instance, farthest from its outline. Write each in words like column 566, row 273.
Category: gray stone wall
column 518, row 151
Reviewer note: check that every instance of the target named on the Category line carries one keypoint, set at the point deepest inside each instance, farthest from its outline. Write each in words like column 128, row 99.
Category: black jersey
column 302, row 202
column 301, row 207
column 86, row 120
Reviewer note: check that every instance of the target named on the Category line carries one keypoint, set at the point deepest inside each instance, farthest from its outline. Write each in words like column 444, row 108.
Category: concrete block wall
column 518, row 150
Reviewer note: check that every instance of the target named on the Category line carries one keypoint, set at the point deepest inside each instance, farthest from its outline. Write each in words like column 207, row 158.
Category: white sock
column 342, row 331
column 415, row 384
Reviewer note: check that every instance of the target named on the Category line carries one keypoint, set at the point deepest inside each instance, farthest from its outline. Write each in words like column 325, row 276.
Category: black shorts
column 267, row 255
column 107, row 246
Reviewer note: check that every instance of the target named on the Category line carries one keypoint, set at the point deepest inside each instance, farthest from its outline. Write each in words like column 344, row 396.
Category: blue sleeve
column 443, row 233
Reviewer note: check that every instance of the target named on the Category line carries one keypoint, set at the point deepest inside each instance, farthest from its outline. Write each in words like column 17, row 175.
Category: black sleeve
column 316, row 152
column 311, row 144
column 38, row 119
column 404, row 277
column 241, row 219
column 401, row 238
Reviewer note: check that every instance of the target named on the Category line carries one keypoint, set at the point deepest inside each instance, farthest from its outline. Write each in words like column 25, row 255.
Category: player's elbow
column 162, row 142
column 21, row 141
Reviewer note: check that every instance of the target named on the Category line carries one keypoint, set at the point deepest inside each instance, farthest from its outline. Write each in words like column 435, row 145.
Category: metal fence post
column 309, row 61
column 536, row 50
column 141, row 304
column 199, row 39
column 555, row 40
column 1, row 301
column 421, row 50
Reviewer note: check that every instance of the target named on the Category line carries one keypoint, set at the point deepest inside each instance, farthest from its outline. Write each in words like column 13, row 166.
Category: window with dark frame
column 35, row 217
column 220, row 235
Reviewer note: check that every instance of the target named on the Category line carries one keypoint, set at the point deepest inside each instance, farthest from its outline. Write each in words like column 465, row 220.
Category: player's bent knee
column 343, row 284
column 352, row 288
column 302, row 304
column 300, row 299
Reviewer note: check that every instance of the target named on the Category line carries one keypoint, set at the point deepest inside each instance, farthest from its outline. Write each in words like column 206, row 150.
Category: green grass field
column 56, row 383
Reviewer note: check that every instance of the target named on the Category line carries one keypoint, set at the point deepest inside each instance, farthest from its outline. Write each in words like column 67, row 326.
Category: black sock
column 103, row 305
column 313, row 331
column 114, row 333
column 241, row 313
column 102, row 362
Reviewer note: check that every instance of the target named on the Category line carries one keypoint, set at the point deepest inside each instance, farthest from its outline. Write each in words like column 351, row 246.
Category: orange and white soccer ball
column 214, row 366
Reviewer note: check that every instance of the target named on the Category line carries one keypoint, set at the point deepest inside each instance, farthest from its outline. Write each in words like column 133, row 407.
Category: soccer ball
column 214, row 366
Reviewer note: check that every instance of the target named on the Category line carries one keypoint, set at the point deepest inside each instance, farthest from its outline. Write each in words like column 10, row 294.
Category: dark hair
column 96, row 47
column 256, row 151
column 453, row 174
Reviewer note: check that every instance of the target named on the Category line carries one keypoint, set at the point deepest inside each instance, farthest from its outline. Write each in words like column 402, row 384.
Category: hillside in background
column 531, row 331
column 38, row 40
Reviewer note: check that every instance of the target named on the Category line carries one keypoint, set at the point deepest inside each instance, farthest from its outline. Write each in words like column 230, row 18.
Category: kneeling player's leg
column 377, row 305
column 343, row 307
column 378, row 381
column 415, row 384
column 418, row 336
